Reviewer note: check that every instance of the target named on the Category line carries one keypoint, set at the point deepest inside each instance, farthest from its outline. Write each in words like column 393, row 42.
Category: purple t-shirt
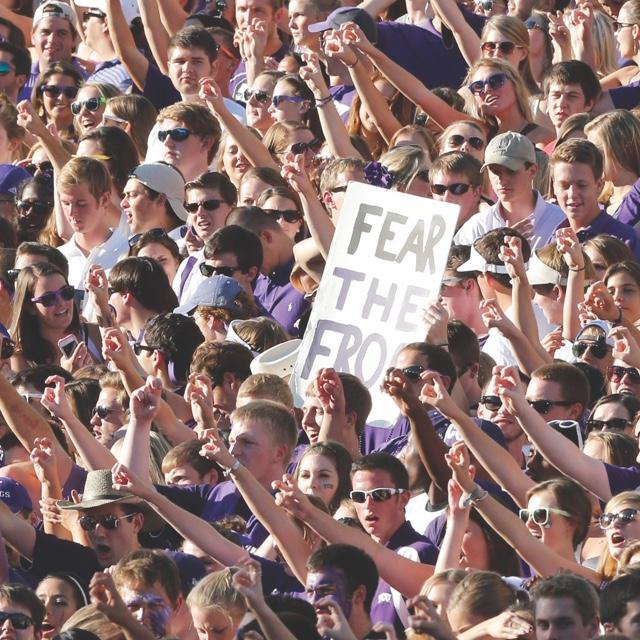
column 214, row 502
column 627, row 97
column 76, row 481
column 629, row 210
column 280, row 298
column 276, row 579
column 622, row 478
column 159, row 89
column 604, row 223
column 388, row 605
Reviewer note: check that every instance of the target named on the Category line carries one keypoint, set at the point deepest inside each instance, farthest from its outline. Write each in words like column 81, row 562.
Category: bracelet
column 324, row 100
column 576, row 270
column 477, row 495
column 232, row 469
column 350, row 66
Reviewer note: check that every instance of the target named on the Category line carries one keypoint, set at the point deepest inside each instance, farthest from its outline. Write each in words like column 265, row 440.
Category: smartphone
column 68, row 344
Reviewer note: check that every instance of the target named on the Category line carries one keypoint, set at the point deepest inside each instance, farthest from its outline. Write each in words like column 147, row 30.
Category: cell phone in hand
column 68, row 344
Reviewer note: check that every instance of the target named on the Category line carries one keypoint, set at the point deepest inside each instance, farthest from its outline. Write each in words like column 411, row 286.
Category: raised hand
column 330, row 392
column 558, row 31
column 248, row 581
column 96, row 285
column 54, row 399
column 211, row 94
column 289, row 497
column 427, row 620
column 294, row 172
column 511, row 255
column 126, row 481
column 508, row 626
column 43, row 458
column 80, row 357
column 552, row 341
column 335, row 46
column 28, row 118
column 600, row 302
column 435, row 319
column 105, row 596
column 510, row 388
column 434, row 393
column 145, row 401
column 625, row 348
column 569, row 246
column 332, row 622
column 116, row 349
column 494, row 317
column 395, row 384
column 458, row 460
column 311, row 73
column 353, row 35
column 216, row 450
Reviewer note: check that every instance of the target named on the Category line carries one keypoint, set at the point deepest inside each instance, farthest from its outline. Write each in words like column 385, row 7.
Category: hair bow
column 378, row 175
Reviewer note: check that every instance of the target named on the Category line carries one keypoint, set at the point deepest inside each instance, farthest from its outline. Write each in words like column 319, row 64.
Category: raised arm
column 401, row 573
column 133, row 60
column 160, row 21
column 252, row 148
column 17, row 531
column 496, row 460
column 188, row 525
column 515, row 533
column 558, row 450
column 287, row 535
column 457, row 524
column 172, row 15
column 404, row 81
column 467, row 39
column 571, row 250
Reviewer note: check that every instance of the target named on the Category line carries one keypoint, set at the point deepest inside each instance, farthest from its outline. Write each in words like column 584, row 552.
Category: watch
column 232, row 469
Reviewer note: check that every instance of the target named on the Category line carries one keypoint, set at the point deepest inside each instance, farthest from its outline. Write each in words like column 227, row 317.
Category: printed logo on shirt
column 384, row 597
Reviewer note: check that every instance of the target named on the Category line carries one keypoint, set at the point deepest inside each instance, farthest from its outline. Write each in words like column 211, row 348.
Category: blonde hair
column 424, row 134
column 216, row 591
column 604, row 49
column 618, row 134
column 277, row 137
column 261, row 333
column 624, row 563
column 405, row 163
column 521, row 93
column 158, row 449
column 266, row 386
column 550, row 256
column 450, row 576
column 514, row 30
column 88, row 171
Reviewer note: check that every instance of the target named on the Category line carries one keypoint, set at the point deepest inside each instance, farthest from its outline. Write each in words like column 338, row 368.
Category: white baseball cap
column 163, row 178
column 129, row 7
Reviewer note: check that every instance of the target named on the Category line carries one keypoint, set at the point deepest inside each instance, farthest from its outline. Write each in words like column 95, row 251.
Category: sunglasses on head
column 496, row 81
column 503, row 47
column 540, row 516
column 207, row 270
column 455, row 189
column 208, row 205
column 89, row 523
column 5, row 68
column 262, row 97
column 544, row 406
column 93, row 13
column 7, row 348
column 604, row 425
column 623, row 518
column 90, row 104
column 598, row 349
column 151, row 233
column 491, row 403
column 377, row 495
column 54, row 90
column 615, row 373
column 19, row 621
column 413, row 372
column 290, row 215
column 51, row 298
column 301, row 147
column 457, row 140
column 278, row 100
column 177, row 135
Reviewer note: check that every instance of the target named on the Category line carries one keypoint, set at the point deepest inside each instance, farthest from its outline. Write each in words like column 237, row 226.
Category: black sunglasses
column 103, row 412
column 151, row 233
column 37, row 207
column 605, row 425
column 207, row 270
column 616, row 373
column 12, row 275
column 503, row 47
column 290, row 215
column 492, row 403
column 138, row 348
column 261, row 97
column 496, row 81
column 89, row 523
column 19, row 621
column 598, row 349
column 624, row 517
column 208, row 205
column 43, row 167
column 302, row 147
column 177, row 135
column 51, row 298
column 54, row 90
column 455, row 189
column 544, row 406
column 90, row 104
column 457, row 140
column 413, row 372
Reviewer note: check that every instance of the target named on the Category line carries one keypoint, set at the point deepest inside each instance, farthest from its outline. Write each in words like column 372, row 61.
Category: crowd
column 172, row 173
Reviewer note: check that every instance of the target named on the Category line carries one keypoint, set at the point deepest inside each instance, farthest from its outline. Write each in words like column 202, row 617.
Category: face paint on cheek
column 327, row 485
column 331, row 583
column 153, row 608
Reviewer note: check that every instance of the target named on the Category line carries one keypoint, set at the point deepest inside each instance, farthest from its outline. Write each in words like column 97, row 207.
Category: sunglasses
column 152, row 233
column 621, row 25
column 456, row 140
column 377, row 495
column 43, row 167
column 90, row 104
column 109, row 117
column 455, row 189
column 89, row 523
column 51, row 298
column 7, row 348
column 37, row 207
column 503, row 47
column 302, row 147
column 177, row 135
column 261, row 97
column 54, row 90
column 623, row 518
column 290, row 215
column 5, row 68
column 544, row 406
column 496, row 81
column 413, row 372
column 604, row 425
column 540, row 516
column 278, row 100
column 598, row 349
column 19, row 621
column 12, row 275
column 492, row 403
column 138, row 348
column 103, row 412
column 93, row 13
column 208, row 205
column 207, row 270
column 615, row 373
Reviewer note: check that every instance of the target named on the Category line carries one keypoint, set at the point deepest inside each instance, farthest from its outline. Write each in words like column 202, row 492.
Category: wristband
column 232, row 469
column 477, row 495
column 576, row 270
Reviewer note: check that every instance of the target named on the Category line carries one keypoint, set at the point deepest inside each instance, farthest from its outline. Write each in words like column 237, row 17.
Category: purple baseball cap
column 14, row 495
column 11, row 176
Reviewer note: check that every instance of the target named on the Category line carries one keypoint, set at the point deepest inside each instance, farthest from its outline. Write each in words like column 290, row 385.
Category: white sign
column 387, row 259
